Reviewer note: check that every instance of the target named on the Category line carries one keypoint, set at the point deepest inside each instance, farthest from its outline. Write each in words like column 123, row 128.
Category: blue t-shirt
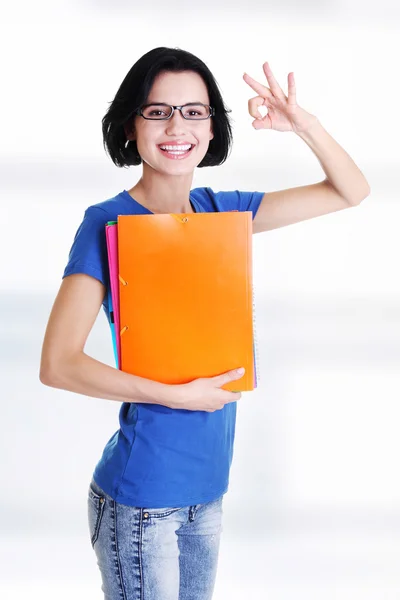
column 159, row 457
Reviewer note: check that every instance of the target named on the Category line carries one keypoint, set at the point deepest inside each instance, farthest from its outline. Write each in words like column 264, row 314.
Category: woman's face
column 175, row 89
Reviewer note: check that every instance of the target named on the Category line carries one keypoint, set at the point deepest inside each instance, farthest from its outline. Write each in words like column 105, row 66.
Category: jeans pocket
column 96, row 505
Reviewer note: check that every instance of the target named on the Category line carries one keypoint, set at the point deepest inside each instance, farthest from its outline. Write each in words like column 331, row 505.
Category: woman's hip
column 153, row 553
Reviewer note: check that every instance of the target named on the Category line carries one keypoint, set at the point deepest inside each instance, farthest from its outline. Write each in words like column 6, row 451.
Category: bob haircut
column 133, row 93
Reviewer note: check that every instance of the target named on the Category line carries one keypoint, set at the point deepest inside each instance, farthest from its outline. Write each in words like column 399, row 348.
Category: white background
column 313, row 509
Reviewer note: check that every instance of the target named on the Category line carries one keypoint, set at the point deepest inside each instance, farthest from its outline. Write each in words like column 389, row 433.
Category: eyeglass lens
column 163, row 111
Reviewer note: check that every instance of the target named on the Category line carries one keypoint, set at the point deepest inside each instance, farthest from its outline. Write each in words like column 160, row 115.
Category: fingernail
column 240, row 371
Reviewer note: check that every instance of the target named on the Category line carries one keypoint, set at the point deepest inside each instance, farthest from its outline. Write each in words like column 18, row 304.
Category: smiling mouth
column 176, row 153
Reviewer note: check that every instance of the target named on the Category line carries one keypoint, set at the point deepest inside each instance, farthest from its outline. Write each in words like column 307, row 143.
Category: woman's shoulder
column 212, row 201
column 109, row 209
column 226, row 200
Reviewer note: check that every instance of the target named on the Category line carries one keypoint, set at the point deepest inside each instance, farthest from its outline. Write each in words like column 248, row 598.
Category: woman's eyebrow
column 186, row 103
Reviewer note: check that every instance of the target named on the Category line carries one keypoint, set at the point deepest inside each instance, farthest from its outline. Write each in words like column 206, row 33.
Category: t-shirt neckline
column 127, row 195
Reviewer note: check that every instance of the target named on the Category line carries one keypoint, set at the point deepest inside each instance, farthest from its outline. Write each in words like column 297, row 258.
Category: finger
column 291, row 90
column 253, row 104
column 233, row 397
column 227, row 377
column 274, row 85
column 262, row 90
column 260, row 121
column 264, row 123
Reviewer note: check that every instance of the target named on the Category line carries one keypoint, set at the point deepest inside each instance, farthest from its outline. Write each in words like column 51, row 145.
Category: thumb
column 229, row 376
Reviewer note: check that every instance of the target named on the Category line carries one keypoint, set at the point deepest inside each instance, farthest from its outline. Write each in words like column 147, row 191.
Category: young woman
column 155, row 499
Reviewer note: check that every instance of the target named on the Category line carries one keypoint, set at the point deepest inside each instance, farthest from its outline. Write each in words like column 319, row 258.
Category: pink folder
column 112, row 251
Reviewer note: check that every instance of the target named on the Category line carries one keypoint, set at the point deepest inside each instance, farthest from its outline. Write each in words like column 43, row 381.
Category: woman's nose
column 177, row 121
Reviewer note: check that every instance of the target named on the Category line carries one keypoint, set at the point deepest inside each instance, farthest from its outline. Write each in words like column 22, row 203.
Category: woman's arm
column 64, row 364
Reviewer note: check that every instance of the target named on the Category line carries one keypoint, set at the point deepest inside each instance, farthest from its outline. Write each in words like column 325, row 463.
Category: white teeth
column 177, row 148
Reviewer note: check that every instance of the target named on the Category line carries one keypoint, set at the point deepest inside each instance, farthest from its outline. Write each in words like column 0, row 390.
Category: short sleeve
column 88, row 253
column 249, row 201
column 236, row 200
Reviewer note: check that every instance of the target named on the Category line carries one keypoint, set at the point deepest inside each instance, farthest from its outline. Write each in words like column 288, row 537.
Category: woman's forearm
column 85, row 375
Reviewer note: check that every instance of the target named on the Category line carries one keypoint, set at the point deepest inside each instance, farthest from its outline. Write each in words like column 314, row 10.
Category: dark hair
column 133, row 92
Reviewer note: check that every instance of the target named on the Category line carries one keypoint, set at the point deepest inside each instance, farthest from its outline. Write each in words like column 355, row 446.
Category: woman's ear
column 211, row 130
column 129, row 131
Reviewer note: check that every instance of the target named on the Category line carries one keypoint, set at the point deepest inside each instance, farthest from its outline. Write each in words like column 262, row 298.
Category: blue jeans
column 154, row 553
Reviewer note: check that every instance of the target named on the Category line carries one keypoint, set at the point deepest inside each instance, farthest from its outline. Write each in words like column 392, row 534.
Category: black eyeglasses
column 194, row 111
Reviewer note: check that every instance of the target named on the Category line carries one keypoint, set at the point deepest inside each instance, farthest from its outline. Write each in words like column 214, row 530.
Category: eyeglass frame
column 140, row 114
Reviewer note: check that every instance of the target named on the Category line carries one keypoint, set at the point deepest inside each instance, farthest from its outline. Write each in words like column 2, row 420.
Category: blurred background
column 313, row 509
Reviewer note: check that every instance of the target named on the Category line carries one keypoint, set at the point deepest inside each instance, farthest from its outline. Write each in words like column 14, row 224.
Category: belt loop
column 193, row 511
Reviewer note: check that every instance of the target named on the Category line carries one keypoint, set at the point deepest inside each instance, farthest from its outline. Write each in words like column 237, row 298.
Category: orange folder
column 186, row 296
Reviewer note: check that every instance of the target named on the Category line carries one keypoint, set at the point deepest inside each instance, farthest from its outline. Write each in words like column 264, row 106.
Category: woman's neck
column 164, row 196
